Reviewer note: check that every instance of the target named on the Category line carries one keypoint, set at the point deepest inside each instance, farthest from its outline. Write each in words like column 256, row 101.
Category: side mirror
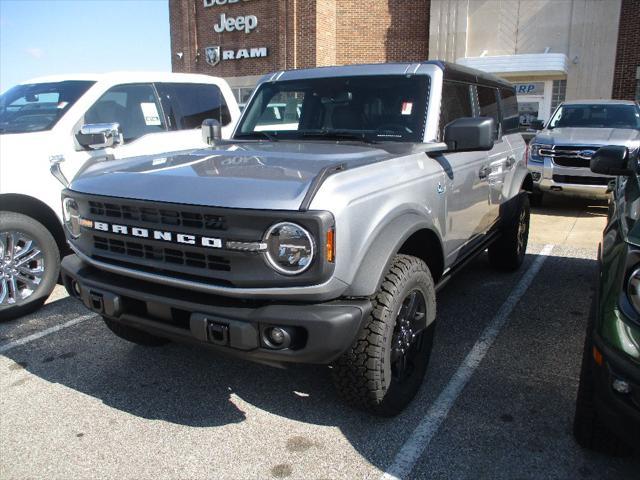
column 99, row 135
column 537, row 124
column 611, row 160
column 470, row 134
column 211, row 131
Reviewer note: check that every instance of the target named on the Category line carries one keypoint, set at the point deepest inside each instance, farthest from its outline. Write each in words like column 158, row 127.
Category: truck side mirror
column 469, row 133
column 211, row 131
column 611, row 160
column 99, row 135
column 537, row 124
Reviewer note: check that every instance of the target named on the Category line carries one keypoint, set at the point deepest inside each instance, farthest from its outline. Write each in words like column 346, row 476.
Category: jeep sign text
column 214, row 3
column 229, row 24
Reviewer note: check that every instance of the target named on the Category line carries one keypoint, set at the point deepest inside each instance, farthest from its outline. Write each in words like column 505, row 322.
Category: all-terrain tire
column 50, row 255
column 507, row 253
column 134, row 335
column 363, row 375
column 588, row 428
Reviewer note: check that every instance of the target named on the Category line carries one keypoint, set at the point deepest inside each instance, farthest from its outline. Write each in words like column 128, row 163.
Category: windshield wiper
column 266, row 135
column 339, row 134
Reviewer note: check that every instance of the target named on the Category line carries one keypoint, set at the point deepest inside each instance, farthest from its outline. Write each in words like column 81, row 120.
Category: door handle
column 484, row 172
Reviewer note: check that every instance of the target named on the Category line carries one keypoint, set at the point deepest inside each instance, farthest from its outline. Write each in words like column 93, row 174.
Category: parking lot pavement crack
column 417, row 443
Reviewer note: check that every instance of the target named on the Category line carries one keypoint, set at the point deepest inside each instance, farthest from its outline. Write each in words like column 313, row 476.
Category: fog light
column 75, row 286
column 621, row 386
column 277, row 338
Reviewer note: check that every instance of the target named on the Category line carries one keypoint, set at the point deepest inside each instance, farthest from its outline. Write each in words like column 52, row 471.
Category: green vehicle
column 607, row 417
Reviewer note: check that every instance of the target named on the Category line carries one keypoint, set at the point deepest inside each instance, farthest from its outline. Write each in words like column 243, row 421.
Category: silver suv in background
column 560, row 153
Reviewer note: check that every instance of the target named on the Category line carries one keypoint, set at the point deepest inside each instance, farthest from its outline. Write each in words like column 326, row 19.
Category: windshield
column 37, row 107
column 365, row 108
column 596, row 116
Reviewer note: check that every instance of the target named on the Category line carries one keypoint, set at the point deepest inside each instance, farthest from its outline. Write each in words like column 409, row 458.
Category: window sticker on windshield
column 407, row 107
column 61, row 105
column 150, row 113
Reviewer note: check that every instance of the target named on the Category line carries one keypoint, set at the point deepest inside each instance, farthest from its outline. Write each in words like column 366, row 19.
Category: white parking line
column 419, row 440
column 30, row 338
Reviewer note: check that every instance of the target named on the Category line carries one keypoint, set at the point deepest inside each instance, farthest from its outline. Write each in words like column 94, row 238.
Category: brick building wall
column 299, row 33
column 628, row 52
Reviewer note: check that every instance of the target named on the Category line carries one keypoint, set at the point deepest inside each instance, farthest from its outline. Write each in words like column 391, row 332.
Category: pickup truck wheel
column 134, row 335
column 29, row 264
column 384, row 367
column 589, row 430
column 507, row 253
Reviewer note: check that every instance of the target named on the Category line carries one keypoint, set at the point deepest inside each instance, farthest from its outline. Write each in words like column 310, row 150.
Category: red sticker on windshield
column 407, row 107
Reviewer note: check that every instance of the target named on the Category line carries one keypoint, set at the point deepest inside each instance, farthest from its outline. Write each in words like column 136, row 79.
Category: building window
column 638, row 84
column 242, row 94
column 558, row 93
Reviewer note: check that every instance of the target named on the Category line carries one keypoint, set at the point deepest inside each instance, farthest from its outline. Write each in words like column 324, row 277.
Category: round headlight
column 290, row 248
column 633, row 289
column 71, row 215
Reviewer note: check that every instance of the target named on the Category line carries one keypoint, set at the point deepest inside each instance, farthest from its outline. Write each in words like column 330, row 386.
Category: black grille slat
column 161, row 254
column 581, row 180
column 158, row 217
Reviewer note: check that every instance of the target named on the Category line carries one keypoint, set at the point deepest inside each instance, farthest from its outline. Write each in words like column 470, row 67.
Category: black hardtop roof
column 460, row 73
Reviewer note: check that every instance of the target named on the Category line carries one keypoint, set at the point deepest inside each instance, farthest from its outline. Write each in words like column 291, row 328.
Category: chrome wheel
column 21, row 267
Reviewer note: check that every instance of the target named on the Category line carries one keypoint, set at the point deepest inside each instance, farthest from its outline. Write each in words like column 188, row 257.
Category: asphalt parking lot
column 498, row 401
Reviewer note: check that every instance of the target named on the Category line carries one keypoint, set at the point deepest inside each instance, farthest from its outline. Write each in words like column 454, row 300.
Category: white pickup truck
column 61, row 119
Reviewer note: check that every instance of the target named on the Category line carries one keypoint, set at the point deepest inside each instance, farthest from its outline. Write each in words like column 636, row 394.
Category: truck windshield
column 596, row 116
column 37, row 107
column 363, row 108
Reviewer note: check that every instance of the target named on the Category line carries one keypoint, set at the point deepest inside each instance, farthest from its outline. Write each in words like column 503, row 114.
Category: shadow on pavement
column 194, row 387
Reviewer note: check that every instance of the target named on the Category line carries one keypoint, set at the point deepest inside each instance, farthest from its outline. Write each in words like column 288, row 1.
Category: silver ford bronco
column 317, row 234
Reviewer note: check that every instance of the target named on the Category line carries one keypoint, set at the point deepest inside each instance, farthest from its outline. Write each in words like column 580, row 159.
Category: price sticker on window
column 150, row 113
column 407, row 108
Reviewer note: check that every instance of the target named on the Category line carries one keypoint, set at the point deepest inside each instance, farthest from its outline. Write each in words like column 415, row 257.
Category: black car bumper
column 318, row 333
column 619, row 411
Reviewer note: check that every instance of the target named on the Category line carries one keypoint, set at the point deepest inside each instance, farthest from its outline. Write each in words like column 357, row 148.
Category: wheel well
column 527, row 183
column 34, row 208
column 425, row 245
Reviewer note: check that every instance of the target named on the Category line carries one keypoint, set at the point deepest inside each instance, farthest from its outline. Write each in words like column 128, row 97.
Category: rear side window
column 188, row 104
column 456, row 103
column 135, row 107
column 509, row 108
column 488, row 104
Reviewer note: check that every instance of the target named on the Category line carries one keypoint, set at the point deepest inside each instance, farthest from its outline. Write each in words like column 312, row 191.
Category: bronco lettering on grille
column 167, row 236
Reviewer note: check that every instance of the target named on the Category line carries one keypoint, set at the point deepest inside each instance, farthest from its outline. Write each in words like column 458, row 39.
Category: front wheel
column 384, row 367
column 29, row 264
column 507, row 253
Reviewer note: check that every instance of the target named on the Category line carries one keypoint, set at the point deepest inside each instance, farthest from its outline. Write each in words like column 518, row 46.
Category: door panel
column 467, row 194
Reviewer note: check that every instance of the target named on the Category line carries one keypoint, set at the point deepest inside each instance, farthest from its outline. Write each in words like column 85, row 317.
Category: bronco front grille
column 158, row 216
column 161, row 254
column 569, row 156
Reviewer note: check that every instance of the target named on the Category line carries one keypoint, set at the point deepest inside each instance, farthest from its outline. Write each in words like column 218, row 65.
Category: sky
column 46, row 37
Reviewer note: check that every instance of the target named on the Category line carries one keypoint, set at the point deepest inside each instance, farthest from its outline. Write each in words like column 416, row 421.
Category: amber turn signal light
column 597, row 356
column 331, row 245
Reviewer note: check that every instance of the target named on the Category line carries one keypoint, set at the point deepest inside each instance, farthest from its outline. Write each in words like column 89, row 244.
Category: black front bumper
column 620, row 412
column 320, row 332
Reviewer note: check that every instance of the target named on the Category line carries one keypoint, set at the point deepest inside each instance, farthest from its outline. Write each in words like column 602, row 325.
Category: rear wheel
column 29, row 264
column 507, row 253
column 134, row 335
column 384, row 368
